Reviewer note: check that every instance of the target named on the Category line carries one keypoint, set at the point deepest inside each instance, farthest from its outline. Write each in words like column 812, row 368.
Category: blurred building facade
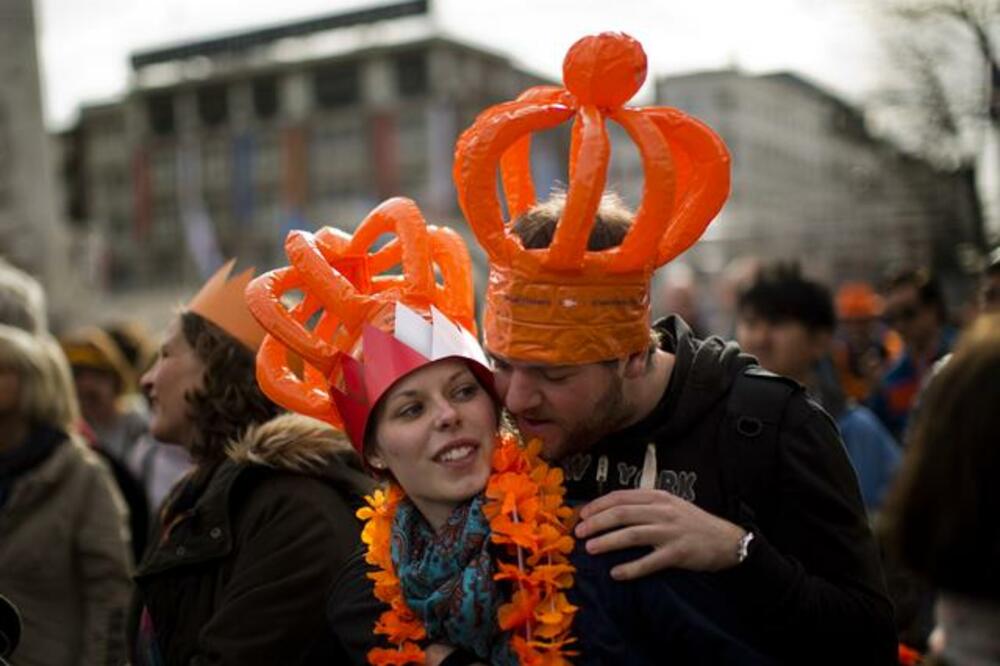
column 810, row 183
column 223, row 145
column 220, row 146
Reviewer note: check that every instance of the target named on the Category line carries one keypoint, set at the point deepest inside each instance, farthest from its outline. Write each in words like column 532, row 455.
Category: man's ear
column 635, row 364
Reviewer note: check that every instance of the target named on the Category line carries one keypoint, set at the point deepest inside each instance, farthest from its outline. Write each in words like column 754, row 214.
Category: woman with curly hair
column 250, row 544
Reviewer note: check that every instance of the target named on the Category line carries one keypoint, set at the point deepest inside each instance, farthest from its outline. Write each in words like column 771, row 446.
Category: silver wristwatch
column 743, row 547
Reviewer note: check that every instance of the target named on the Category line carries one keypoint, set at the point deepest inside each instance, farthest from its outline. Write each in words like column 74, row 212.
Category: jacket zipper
column 602, row 473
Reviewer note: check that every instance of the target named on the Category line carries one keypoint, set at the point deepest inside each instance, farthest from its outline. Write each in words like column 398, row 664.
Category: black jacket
column 812, row 589
column 246, row 576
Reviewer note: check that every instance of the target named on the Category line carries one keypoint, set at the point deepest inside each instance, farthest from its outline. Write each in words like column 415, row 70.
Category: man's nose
column 520, row 393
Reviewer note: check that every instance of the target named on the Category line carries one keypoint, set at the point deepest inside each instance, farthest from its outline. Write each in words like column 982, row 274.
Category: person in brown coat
column 252, row 545
column 64, row 557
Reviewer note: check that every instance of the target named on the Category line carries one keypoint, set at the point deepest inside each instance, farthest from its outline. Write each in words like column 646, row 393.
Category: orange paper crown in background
column 221, row 302
column 564, row 304
column 345, row 289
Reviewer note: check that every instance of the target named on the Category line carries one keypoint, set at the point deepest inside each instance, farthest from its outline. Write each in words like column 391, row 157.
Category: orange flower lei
column 524, row 505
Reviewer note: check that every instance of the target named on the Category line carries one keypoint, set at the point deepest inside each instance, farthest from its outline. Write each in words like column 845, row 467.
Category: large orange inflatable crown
column 347, row 290
column 565, row 304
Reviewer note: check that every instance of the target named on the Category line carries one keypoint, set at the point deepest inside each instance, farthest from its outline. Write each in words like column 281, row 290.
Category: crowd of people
column 352, row 475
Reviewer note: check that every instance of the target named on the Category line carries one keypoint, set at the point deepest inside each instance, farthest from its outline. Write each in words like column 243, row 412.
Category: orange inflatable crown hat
column 857, row 300
column 357, row 330
column 565, row 304
column 221, row 302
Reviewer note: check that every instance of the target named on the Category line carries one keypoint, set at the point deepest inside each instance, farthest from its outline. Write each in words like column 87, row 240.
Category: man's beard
column 608, row 414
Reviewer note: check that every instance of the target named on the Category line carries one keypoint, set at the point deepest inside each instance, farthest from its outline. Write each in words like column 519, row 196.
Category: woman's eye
column 466, row 391
column 409, row 411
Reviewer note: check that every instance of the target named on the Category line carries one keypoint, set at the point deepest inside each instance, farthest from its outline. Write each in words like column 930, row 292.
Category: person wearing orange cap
column 865, row 348
column 249, row 544
column 702, row 468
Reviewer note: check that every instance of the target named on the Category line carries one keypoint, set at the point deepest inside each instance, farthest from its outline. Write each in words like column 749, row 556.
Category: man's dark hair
column 230, row 401
column 780, row 293
column 928, row 289
column 940, row 518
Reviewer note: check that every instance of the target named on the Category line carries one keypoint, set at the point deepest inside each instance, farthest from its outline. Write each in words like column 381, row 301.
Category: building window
column 161, row 114
column 341, row 137
column 412, row 138
column 265, row 97
column 215, row 164
column 411, row 73
column 163, row 170
column 337, row 85
column 266, row 160
column 213, row 107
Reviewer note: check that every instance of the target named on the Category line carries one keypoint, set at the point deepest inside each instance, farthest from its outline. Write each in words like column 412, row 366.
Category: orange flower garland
column 524, row 505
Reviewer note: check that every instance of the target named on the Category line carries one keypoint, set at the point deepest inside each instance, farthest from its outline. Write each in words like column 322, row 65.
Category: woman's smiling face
column 434, row 431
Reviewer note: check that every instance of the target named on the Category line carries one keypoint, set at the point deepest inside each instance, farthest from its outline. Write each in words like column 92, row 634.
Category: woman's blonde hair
column 47, row 396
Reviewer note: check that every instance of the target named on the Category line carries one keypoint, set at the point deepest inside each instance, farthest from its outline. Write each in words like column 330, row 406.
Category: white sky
column 84, row 44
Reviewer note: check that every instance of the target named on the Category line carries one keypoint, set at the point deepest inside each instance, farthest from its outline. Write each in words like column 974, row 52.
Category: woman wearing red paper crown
column 251, row 543
column 469, row 538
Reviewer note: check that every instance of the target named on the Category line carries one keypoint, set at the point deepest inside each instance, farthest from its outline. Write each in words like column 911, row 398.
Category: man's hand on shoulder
column 681, row 535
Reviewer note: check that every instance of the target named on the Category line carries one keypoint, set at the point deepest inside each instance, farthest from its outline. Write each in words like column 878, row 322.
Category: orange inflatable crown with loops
column 565, row 304
column 345, row 290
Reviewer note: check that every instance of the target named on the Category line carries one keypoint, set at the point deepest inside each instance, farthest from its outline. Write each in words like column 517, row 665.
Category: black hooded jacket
column 811, row 589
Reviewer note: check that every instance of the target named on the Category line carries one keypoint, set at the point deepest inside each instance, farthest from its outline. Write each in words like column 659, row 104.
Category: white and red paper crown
column 388, row 357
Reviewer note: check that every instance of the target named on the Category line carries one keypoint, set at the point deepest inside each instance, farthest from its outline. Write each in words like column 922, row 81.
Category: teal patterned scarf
column 447, row 579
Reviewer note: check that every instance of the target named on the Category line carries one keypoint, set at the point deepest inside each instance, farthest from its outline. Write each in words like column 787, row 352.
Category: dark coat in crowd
column 243, row 567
